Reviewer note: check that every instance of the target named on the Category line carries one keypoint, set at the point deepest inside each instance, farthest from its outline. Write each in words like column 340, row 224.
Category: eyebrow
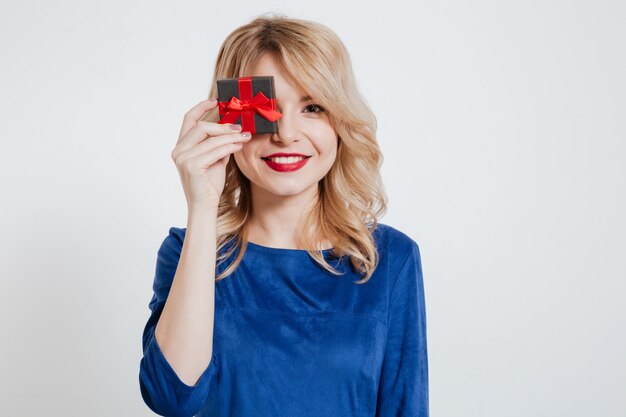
column 305, row 99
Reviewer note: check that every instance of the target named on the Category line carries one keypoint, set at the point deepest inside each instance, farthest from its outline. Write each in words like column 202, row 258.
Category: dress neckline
column 269, row 249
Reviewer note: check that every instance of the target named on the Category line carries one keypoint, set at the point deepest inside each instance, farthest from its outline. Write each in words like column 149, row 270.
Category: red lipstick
column 284, row 154
column 276, row 166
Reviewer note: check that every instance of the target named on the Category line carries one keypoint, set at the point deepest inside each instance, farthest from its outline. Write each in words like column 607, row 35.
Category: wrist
column 202, row 212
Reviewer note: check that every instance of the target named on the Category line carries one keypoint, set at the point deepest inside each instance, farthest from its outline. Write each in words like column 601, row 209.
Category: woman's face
column 304, row 129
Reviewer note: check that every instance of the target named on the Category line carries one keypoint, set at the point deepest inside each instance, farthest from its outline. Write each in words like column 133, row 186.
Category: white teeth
column 286, row 160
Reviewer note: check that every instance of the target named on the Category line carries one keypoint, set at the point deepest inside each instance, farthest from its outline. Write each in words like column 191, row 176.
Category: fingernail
column 246, row 134
column 235, row 127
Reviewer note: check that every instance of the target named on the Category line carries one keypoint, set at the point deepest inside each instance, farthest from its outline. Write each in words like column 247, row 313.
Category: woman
column 284, row 295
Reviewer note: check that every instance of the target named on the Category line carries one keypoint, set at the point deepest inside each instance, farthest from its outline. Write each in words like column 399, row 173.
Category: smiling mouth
column 286, row 164
column 285, row 159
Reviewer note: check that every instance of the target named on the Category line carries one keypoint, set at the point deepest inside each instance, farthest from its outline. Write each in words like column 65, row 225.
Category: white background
column 502, row 125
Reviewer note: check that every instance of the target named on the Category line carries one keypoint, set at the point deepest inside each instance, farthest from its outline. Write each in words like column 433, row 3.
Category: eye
column 315, row 106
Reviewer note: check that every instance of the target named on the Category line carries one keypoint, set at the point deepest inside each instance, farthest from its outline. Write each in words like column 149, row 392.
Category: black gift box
column 249, row 101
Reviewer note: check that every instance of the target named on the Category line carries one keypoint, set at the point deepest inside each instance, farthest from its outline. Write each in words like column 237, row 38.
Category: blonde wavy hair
column 351, row 195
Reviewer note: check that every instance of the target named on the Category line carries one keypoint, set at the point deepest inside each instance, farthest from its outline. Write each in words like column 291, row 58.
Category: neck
column 276, row 221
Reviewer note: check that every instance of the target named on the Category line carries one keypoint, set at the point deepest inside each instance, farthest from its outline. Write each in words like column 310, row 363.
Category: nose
column 288, row 130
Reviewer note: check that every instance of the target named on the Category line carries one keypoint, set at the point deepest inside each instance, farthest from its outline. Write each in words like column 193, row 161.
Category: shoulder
column 178, row 232
column 168, row 256
column 172, row 244
column 404, row 279
column 175, row 236
column 396, row 244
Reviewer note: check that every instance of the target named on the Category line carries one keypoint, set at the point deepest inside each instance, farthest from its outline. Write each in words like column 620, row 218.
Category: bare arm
column 185, row 329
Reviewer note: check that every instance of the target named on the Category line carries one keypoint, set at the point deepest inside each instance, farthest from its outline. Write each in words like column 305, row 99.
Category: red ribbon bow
column 231, row 110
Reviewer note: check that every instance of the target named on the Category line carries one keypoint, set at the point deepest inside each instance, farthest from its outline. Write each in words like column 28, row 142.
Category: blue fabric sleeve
column 161, row 388
column 403, row 387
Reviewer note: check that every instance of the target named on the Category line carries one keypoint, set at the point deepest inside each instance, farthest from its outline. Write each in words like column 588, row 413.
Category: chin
column 286, row 187
column 287, row 191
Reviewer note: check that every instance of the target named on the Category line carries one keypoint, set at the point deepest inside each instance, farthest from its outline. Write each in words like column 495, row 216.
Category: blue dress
column 293, row 340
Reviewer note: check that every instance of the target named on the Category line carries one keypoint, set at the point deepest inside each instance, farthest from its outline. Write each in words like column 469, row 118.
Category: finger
column 205, row 160
column 203, row 130
column 195, row 114
column 181, row 155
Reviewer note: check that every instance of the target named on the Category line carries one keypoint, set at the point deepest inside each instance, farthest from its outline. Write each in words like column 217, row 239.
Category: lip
column 286, row 167
column 284, row 154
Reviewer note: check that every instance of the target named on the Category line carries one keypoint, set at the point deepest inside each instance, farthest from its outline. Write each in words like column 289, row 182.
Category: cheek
column 240, row 161
column 330, row 147
column 245, row 157
column 325, row 139
column 333, row 156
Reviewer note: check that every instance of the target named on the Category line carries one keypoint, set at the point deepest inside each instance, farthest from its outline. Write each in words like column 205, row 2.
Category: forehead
column 284, row 85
